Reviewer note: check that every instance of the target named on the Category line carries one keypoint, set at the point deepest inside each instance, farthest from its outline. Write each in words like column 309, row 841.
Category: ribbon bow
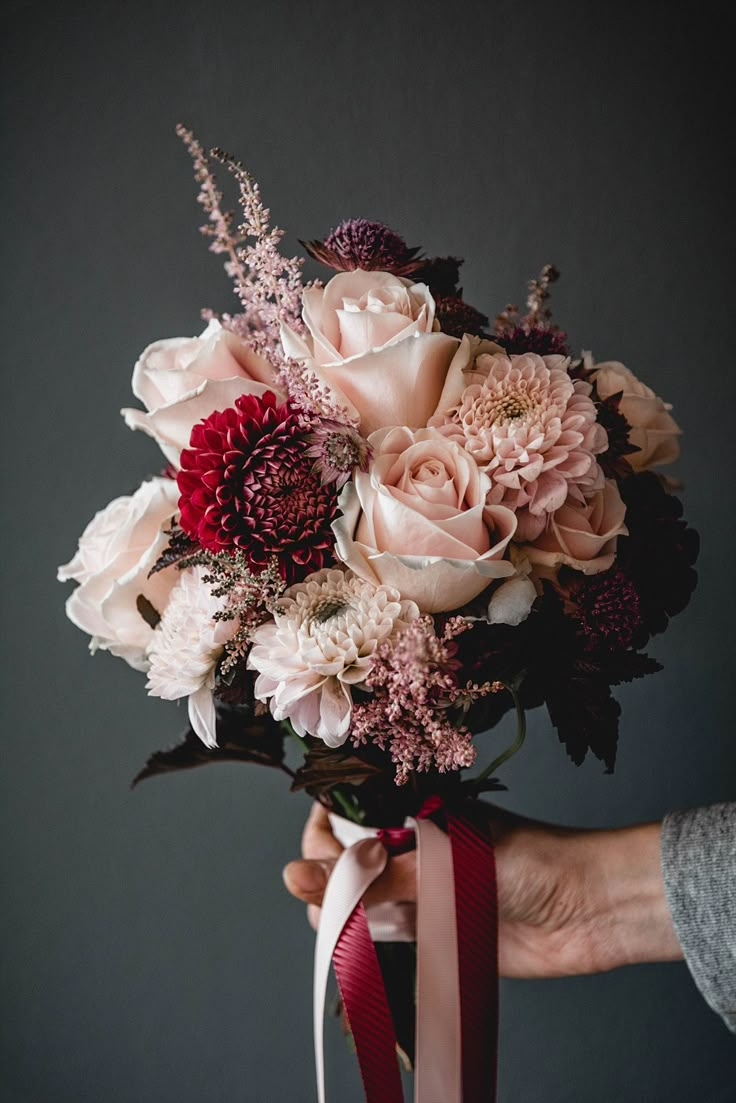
column 455, row 926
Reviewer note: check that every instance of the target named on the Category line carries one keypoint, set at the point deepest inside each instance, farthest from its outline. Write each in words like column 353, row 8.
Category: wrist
column 630, row 921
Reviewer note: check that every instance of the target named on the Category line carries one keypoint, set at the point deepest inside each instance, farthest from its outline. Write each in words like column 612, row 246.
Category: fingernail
column 308, row 878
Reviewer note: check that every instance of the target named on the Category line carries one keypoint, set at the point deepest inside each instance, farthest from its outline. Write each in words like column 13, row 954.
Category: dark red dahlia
column 247, row 482
column 457, row 317
column 360, row 243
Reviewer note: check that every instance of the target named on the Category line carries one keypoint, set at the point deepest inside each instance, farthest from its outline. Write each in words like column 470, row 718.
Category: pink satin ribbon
column 438, row 1076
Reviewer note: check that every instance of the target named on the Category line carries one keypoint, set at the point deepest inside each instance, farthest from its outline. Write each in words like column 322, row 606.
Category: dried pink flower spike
column 414, row 679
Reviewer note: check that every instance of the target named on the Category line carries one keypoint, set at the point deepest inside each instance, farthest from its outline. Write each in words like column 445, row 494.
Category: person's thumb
column 308, row 879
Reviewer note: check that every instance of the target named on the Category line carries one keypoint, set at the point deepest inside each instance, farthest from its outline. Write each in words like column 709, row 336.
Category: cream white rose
column 373, row 339
column 582, row 535
column 417, row 521
column 653, row 430
column 184, row 379
column 116, row 552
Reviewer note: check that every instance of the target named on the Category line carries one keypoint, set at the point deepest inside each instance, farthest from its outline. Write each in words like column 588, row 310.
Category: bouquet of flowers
column 382, row 522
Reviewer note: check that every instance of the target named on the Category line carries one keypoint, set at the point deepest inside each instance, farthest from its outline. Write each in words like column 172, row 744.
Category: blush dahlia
column 248, row 482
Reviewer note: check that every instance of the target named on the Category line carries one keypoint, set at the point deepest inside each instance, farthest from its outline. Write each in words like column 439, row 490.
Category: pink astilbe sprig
column 310, row 397
column 219, row 225
column 271, row 291
column 268, row 284
column 247, row 598
column 415, row 686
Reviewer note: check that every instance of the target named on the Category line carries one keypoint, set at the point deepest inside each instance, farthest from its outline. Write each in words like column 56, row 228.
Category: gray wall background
column 149, row 950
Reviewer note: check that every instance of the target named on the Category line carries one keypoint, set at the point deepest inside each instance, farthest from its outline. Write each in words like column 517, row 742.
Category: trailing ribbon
column 457, row 972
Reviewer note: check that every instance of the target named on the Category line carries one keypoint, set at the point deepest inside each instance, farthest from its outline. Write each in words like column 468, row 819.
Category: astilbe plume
column 415, row 684
column 268, row 284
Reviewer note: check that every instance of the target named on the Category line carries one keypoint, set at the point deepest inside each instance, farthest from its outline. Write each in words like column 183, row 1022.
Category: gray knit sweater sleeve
column 699, row 867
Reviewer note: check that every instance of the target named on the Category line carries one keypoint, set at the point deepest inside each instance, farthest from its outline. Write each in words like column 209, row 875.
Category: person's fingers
column 317, row 838
column 307, row 880
column 313, row 914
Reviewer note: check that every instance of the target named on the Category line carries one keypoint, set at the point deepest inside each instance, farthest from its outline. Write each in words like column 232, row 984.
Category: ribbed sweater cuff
column 699, row 869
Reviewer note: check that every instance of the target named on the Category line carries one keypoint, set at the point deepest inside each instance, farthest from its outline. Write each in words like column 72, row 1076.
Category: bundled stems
column 348, row 807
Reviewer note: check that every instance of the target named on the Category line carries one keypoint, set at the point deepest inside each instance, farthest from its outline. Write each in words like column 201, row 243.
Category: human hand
column 570, row 901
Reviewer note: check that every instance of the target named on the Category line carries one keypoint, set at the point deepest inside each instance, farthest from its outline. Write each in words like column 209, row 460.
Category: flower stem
column 513, row 688
column 350, row 809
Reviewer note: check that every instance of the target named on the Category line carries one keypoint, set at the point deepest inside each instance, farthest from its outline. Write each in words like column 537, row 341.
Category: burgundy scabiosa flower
column 248, row 482
column 605, row 606
column 337, row 449
column 457, row 317
column 360, row 243
column 543, row 338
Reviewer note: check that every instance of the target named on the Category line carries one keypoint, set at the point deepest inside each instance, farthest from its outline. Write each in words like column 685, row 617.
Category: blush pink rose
column 373, row 339
column 183, row 379
column 582, row 535
column 417, row 521
column 653, row 430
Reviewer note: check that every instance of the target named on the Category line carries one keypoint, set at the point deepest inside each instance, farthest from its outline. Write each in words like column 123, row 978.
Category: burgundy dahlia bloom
column 248, row 482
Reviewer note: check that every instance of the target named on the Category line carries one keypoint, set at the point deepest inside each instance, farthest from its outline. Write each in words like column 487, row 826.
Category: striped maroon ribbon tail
column 476, row 906
column 366, row 1008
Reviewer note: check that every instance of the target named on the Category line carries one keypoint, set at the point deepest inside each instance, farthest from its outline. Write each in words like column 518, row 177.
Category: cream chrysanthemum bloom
column 319, row 644
column 533, row 430
column 186, row 647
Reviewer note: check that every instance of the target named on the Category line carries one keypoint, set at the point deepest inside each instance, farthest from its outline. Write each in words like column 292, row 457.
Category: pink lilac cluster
column 378, row 510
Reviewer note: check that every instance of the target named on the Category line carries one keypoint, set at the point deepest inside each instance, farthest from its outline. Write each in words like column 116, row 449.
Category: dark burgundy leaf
column 325, row 767
column 241, row 737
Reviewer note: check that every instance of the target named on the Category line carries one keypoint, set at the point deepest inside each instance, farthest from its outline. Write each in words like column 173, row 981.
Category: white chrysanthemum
column 319, row 644
column 186, row 646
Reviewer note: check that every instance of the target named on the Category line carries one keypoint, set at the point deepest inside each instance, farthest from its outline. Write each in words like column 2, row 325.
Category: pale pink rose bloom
column 373, row 339
column 184, row 379
column 185, row 648
column 531, row 428
column 116, row 552
column 582, row 536
column 319, row 645
column 653, row 430
column 417, row 520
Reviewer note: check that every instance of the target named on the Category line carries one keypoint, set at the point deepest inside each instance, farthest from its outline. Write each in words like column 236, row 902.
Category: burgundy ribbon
column 361, row 984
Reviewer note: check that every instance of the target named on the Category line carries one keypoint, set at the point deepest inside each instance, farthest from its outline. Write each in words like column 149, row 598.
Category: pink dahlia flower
column 533, row 430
